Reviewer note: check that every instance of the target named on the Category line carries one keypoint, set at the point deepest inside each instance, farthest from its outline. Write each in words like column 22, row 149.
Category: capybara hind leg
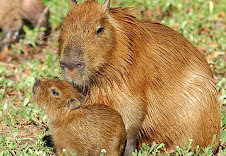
column 133, row 117
column 132, row 136
column 130, row 147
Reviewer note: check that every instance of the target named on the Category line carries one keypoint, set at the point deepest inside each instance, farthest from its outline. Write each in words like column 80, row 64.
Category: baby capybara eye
column 100, row 30
column 54, row 92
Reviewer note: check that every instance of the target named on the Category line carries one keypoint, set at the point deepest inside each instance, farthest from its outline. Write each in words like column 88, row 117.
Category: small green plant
column 103, row 152
column 18, row 48
column 30, row 38
column 58, row 9
column 146, row 150
column 32, row 35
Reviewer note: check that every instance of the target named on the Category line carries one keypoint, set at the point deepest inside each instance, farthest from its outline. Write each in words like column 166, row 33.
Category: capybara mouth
column 74, row 76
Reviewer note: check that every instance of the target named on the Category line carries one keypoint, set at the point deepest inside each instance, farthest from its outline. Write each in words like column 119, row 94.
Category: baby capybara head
column 86, row 40
column 56, row 95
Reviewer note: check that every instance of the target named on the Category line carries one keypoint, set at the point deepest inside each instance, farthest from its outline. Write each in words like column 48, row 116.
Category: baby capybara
column 77, row 129
column 159, row 82
column 12, row 13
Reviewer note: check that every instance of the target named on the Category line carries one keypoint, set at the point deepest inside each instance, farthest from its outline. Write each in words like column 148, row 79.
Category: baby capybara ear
column 73, row 2
column 73, row 104
column 81, row 98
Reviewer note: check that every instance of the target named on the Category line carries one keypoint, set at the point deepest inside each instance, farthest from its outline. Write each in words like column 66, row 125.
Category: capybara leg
column 48, row 140
column 133, row 118
column 130, row 147
column 7, row 38
column 132, row 137
column 10, row 32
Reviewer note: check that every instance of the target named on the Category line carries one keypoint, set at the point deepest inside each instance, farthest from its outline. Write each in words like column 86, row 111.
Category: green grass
column 23, row 124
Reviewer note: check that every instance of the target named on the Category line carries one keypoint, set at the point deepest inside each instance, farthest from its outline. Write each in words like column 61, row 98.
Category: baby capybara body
column 159, row 82
column 77, row 129
column 12, row 13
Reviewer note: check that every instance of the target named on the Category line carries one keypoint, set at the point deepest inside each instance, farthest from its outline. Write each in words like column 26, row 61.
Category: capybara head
column 56, row 94
column 86, row 40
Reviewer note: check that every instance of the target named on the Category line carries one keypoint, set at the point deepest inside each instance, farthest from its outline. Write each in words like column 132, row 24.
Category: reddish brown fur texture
column 12, row 13
column 81, row 130
column 158, row 81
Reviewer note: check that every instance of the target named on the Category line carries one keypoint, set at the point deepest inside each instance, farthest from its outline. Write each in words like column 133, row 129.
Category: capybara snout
column 90, row 43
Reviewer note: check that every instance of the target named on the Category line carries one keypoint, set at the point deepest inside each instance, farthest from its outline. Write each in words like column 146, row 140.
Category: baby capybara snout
column 36, row 84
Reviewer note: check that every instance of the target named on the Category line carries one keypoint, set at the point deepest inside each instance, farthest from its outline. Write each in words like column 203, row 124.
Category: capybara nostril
column 80, row 65
column 73, row 65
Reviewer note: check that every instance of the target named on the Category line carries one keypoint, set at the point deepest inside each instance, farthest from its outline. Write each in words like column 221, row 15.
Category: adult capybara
column 158, row 81
column 77, row 129
column 12, row 13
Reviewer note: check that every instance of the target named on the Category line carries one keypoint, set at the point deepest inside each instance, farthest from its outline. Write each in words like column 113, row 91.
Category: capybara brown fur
column 12, row 13
column 77, row 129
column 159, row 82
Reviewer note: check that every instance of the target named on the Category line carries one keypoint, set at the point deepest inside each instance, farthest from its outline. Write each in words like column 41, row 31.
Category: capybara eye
column 100, row 30
column 54, row 92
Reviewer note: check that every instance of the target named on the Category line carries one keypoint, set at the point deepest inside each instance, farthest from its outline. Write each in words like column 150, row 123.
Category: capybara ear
column 81, row 98
column 107, row 5
column 73, row 2
column 73, row 104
